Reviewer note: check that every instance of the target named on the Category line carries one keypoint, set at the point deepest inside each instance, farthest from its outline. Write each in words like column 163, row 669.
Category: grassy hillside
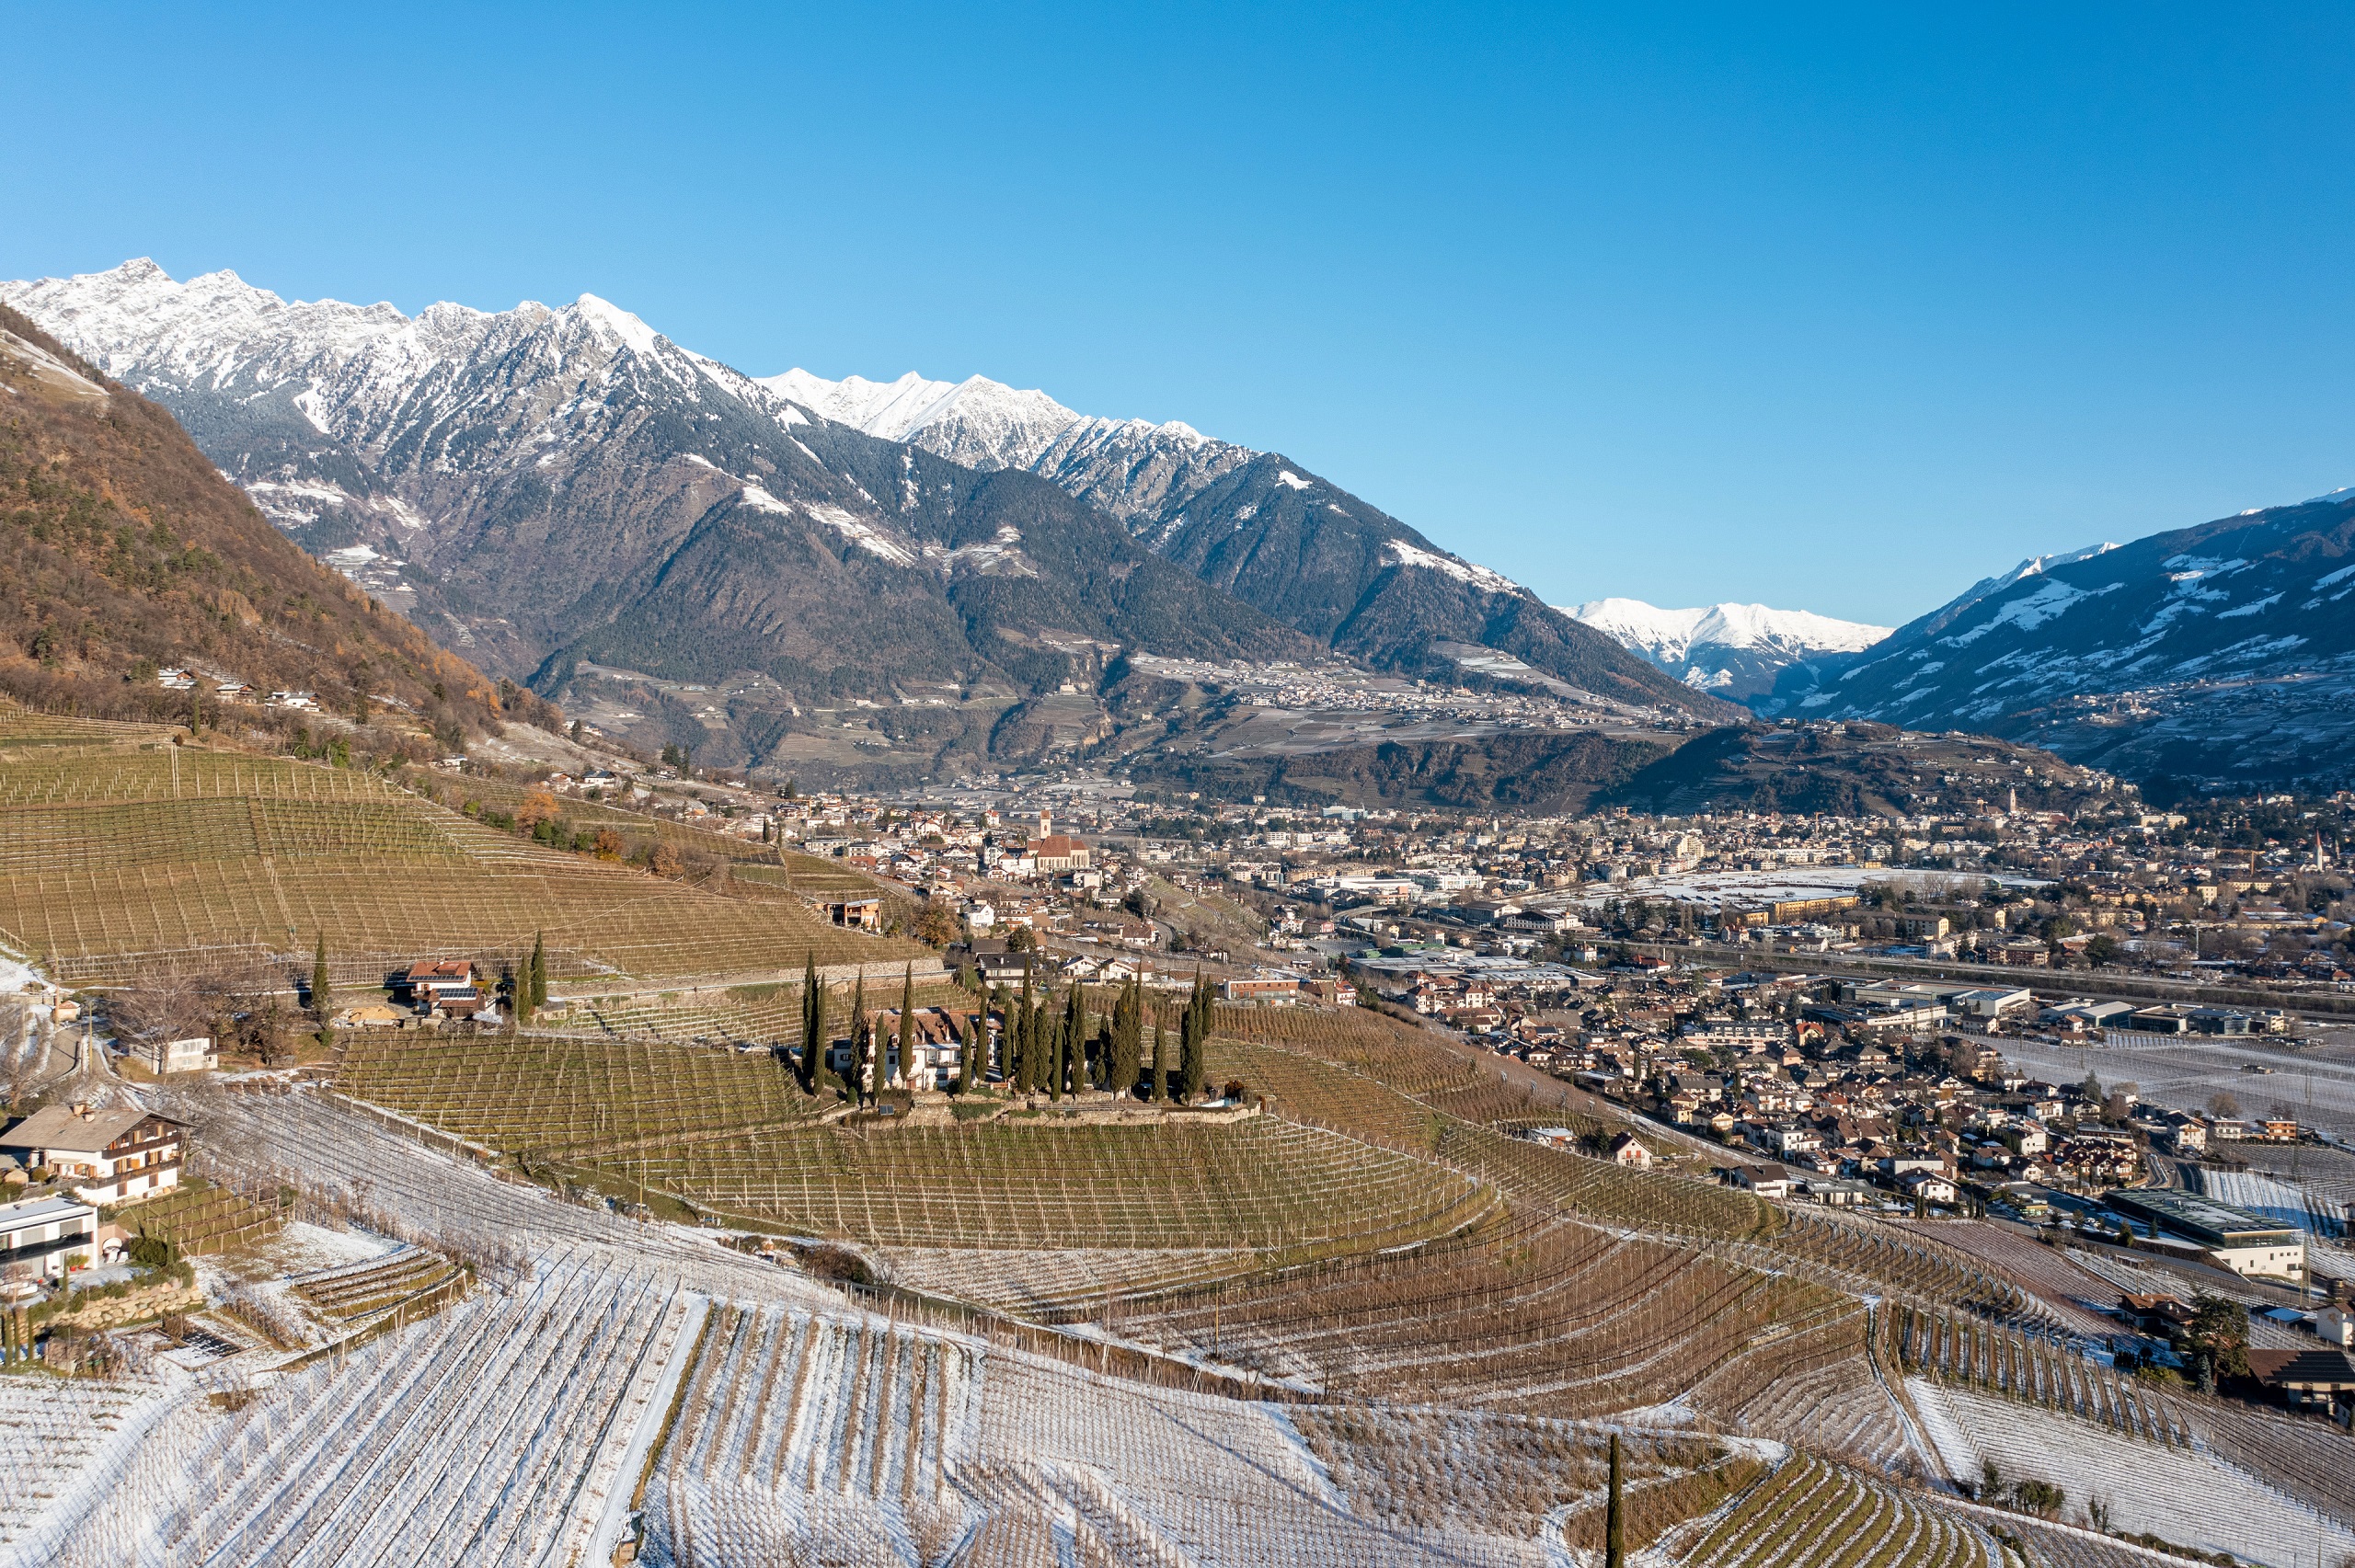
column 124, row 550
column 120, row 848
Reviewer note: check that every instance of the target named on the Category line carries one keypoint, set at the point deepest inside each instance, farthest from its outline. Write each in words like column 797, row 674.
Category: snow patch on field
column 2191, row 1498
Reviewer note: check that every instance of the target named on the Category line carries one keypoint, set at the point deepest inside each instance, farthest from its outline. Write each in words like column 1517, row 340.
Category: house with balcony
column 106, row 1156
column 48, row 1236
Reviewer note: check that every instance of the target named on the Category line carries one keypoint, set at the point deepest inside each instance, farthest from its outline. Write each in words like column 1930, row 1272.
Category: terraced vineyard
column 369, row 1289
column 1259, row 1184
column 1814, row 1515
column 117, row 849
column 766, row 1015
column 2190, row 1496
column 1537, row 1315
column 1487, row 1470
column 556, row 1095
column 1973, row 1354
column 201, row 1219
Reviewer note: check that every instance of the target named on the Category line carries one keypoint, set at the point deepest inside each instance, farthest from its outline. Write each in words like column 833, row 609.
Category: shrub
column 827, row 1261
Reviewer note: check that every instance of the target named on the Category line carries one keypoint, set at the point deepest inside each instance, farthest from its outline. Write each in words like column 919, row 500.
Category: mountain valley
column 695, row 558
column 900, row 580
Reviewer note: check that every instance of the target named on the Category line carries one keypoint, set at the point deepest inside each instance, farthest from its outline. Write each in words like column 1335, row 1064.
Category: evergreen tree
column 858, row 1041
column 1072, row 1064
column 907, row 1041
column 1128, row 1038
column 1056, row 1054
column 1156, row 1087
column 1034, row 1041
column 1022, row 1021
column 813, row 1015
column 321, row 998
column 1193, row 1046
column 539, row 970
column 964, row 1057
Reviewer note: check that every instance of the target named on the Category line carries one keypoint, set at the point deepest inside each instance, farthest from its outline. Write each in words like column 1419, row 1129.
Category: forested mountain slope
column 124, row 552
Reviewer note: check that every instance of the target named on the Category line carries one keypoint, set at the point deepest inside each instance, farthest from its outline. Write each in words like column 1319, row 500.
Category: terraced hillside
column 550, row 1096
column 118, row 848
column 200, row 1219
column 1260, row 1185
column 748, row 1413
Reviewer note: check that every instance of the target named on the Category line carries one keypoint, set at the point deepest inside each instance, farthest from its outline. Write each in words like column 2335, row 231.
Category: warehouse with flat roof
column 2246, row 1243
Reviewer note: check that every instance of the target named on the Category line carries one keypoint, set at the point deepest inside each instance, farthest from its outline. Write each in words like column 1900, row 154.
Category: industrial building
column 2246, row 1243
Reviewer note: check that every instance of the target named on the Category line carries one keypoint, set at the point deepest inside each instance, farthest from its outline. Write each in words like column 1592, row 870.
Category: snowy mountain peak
column 1671, row 634
column 611, row 318
column 977, row 421
column 1733, row 650
column 2035, row 566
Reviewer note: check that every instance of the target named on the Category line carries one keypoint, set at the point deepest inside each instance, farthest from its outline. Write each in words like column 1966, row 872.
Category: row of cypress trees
column 1043, row 1048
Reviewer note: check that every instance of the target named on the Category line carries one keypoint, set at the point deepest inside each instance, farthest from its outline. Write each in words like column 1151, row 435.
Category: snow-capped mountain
column 1257, row 523
column 1733, row 650
column 2223, row 652
column 561, row 491
column 553, row 489
column 1131, row 468
column 2035, row 566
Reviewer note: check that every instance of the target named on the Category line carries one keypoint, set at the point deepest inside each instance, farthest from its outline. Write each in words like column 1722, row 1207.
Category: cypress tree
column 1156, row 1087
column 1128, row 1038
column 321, row 998
column 964, row 1057
column 1614, row 1527
column 1032, row 1076
column 1039, row 1047
column 908, row 1027
column 1193, row 1066
column 1022, row 1025
column 813, row 1013
column 539, row 970
column 1073, row 1063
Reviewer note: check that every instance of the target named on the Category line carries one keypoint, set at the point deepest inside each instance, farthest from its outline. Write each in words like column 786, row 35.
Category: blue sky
column 1838, row 308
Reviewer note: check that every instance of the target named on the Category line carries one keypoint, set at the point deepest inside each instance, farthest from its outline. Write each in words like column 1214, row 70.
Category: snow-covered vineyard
column 605, row 1389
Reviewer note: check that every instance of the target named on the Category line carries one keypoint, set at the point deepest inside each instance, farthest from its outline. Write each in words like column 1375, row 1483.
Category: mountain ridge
column 540, row 487
column 1734, row 651
column 2218, row 655
column 1266, row 528
column 551, row 488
